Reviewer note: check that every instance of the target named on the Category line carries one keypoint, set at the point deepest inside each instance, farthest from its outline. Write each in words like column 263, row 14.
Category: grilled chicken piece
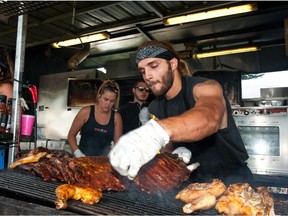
column 242, row 199
column 196, row 190
column 200, row 203
column 67, row 191
column 201, row 196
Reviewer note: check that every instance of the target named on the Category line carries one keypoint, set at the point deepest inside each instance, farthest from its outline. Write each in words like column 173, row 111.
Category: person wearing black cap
column 191, row 112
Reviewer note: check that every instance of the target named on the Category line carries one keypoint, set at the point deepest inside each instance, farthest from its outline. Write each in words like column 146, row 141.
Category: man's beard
column 167, row 82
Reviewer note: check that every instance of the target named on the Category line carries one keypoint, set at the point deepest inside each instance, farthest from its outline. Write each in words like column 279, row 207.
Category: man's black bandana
column 153, row 52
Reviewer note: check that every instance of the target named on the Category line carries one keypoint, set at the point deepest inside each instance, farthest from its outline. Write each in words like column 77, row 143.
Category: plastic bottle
column 9, row 115
column 3, row 113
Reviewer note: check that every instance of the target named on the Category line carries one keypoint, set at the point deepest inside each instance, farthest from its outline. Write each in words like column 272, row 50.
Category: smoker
column 264, row 133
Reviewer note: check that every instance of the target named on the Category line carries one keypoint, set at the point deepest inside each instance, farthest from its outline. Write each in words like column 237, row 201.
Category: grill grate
column 130, row 202
column 125, row 202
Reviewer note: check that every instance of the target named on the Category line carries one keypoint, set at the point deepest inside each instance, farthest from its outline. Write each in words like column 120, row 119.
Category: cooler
column 2, row 157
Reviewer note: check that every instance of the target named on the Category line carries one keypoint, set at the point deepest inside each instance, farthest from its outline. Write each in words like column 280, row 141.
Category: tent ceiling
column 132, row 22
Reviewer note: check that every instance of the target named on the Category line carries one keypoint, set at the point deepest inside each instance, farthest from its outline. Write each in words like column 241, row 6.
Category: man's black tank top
column 219, row 153
column 96, row 138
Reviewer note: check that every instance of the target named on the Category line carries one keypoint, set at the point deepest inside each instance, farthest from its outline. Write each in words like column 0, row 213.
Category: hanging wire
column 73, row 22
column 73, row 13
column 74, row 29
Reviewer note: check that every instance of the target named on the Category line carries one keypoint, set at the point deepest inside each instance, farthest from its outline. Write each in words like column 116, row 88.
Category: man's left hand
column 183, row 153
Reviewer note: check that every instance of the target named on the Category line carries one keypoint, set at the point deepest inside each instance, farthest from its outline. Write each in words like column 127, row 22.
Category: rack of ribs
column 163, row 173
column 54, row 165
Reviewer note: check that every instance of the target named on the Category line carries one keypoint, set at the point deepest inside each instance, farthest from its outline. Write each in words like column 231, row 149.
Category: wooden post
column 286, row 34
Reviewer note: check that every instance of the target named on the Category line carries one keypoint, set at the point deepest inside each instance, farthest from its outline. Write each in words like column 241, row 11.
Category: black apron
column 96, row 138
column 221, row 155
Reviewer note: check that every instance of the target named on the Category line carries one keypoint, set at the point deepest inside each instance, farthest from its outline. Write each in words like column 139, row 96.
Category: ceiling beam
column 130, row 24
column 148, row 36
column 153, row 8
column 99, row 6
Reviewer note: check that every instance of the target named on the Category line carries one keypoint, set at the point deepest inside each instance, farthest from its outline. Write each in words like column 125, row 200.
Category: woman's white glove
column 23, row 104
column 183, row 153
column 137, row 147
column 78, row 153
column 144, row 115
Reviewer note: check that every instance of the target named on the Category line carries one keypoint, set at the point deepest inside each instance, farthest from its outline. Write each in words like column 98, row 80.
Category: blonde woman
column 99, row 124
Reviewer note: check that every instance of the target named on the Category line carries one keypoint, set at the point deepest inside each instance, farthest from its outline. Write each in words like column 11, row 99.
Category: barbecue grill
column 20, row 186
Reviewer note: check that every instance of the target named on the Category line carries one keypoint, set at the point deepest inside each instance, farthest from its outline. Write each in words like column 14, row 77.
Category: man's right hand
column 137, row 147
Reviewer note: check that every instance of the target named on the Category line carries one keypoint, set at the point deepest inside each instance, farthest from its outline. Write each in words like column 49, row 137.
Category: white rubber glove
column 183, row 153
column 23, row 104
column 78, row 153
column 137, row 147
column 144, row 115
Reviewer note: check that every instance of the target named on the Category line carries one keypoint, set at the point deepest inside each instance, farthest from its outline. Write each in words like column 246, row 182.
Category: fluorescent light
column 210, row 14
column 84, row 39
column 226, row 52
column 102, row 69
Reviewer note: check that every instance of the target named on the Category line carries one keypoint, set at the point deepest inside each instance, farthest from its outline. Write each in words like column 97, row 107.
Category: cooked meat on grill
column 45, row 170
column 162, row 174
column 29, row 159
column 67, row 191
column 94, row 172
column 200, row 203
column 242, row 199
column 201, row 196
column 39, row 153
column 195, row 190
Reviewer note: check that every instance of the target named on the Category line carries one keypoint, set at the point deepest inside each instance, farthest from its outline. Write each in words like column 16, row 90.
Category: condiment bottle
column 3, row 113
column 9, row 115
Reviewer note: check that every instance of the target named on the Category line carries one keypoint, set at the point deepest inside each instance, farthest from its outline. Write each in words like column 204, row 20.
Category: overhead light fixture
column 102, row 69
column 210, row 14
column 84, row 39
column 226, row 52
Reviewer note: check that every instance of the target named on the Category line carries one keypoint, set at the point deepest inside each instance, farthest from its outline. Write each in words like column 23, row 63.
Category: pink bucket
column 27, row 123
